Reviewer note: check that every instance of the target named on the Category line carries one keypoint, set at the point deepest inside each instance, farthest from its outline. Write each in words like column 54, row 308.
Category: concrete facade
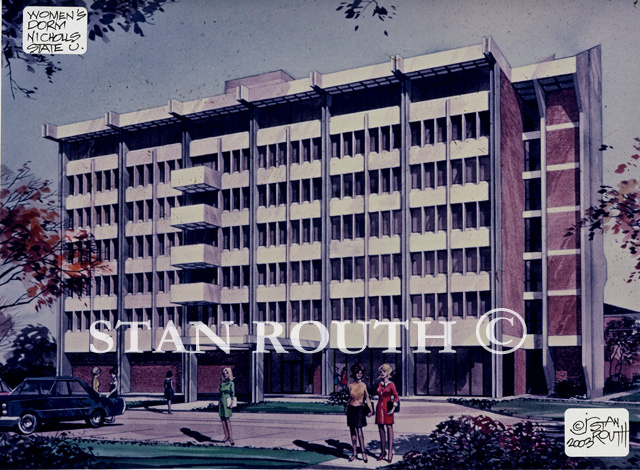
column 433, row 187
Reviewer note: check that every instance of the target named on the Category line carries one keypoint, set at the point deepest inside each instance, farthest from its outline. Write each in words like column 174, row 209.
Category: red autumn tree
column 618, row 212
column 32, row 252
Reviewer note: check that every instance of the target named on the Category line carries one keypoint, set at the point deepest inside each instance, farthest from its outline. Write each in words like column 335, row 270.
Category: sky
column 195, row 45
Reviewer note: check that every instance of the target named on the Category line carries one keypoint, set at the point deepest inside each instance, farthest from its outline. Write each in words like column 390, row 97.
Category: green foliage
column 569, row 388
column 354, row 9
column 341, row 397
column 43, row 452
column 478, row 442
column 478, row 403
column 622, row 342
column 33, row 355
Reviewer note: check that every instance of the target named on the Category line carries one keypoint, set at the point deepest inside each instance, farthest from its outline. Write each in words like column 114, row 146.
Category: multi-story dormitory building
column 438, row 186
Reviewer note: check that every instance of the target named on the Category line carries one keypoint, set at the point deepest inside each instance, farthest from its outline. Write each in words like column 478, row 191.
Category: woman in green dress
column 227, row 394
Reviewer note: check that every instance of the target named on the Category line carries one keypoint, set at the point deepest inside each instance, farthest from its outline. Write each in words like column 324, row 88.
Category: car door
column 82, row 402
column 58, row 408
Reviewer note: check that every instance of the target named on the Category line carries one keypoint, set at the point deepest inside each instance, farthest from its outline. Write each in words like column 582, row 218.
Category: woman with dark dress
column 113, row 384
column 388, row 401
column 227, row 394
column 357, row 409
column 168, row 389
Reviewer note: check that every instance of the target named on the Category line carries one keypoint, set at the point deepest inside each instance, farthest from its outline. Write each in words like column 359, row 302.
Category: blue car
column 56, row 399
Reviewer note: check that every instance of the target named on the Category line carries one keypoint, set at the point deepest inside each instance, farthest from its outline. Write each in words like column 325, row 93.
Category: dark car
column 4, row 388
column 56, row 399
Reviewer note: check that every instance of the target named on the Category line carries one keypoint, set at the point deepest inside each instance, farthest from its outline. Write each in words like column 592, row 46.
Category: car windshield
column 34, row 387
column 4, row 388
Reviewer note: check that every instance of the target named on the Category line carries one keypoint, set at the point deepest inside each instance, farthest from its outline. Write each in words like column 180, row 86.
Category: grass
column 633, row 397
column 147, row 455
column 554, row 409
column 282, row 408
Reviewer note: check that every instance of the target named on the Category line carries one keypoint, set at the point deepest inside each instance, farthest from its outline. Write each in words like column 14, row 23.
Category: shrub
column 569, row 388
column 341, row 397
column 617, row 383
column 478, row 403
column 480, row 442
column 43, row 452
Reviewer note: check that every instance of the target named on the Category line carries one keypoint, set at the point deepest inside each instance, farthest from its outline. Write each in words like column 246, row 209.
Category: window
column 335, row 146
column 471, row 255
column 441, row 168
column 335, row 228
column 456, row 261
column 430, row 263
column 470, row 126
column 485, row 169
column 471, row 215
column 429, row 175
column 441, row 124
column 416, row 264
column 374, row 267
column 335, row 186
column 347, row 186
column 295, row 231
column 484, row 208
column 416, row 136
column 456, row 216
column 532, row 155
column 442, row 261
column 374, row 229
column 533, row 234
column 533, row 275
column 359, row 141
column 416, row 220
column 470, row 176
column 295, row 152
column 360, row 267
column 416, row 177
column 456, row 127
column 442, row 217
column 335, row 269
column 373, row 140
column 429, row 132
column 485, row 259
column 533, row 197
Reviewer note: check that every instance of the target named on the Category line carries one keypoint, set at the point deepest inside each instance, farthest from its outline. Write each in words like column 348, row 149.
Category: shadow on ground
column 197, row 436
column 401, row 445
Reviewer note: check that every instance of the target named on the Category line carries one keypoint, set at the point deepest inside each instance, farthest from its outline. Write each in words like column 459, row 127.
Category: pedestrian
column 357, row 409
column 226, row 403
column 95, row 383
column 345, row 378
column 168, row 389
column 337, row 378
column 113, row 383
column 388, row 402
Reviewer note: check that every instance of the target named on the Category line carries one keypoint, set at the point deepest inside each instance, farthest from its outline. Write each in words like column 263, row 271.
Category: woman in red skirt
column 387, row 403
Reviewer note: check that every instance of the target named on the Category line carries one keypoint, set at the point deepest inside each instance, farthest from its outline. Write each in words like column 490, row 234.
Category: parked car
column 4, row 388
column 56, row 399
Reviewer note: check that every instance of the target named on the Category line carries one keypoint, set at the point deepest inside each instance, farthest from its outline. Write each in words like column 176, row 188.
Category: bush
column 569, row 388
column 341, row 397
column 617, row 383
column 478, row 403
column 480, row 442
column 43, row 452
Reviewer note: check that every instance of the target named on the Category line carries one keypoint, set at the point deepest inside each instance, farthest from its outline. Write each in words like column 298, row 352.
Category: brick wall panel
column 563, row 146
column 564, row 315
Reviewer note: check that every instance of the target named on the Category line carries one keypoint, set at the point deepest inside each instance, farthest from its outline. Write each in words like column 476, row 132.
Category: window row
column 306, row 150
column 82, row 184
column 236, row 238
column 463, row 171
column 305, row 190
column 463, row 127
column 302, row 231
column 354, row 268
column 380, row 308
column 142, row 283
column 379, row 139
column 141, row 246
column 236, row 199
column 462, row 304
column 106, row 285
column 470, row 215
column 305, row 310
column 385, row 180
column 81, row 321
column 235, row 276
column 467, row 260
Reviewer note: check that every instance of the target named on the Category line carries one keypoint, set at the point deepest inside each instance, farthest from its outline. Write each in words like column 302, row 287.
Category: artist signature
column 595, row 430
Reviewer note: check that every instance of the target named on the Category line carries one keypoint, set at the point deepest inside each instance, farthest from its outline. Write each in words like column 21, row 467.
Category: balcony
column 196, row 216
column 199, row 293
column 195, row 256
column 196, row 180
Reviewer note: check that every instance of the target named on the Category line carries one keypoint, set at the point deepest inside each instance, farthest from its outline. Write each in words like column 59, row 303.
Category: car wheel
column 96, row 419
column 110, row 420
column 28, row 423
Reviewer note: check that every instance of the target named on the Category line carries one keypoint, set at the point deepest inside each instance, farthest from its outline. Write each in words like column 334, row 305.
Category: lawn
column 146, row 455
column 282, row 407
column 554, row 409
